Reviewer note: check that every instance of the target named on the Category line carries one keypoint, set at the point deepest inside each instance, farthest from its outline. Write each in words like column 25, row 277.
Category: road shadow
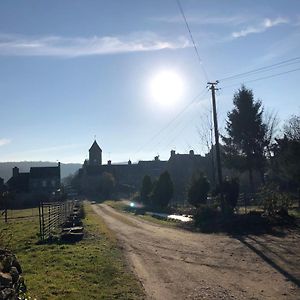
column 275, row 255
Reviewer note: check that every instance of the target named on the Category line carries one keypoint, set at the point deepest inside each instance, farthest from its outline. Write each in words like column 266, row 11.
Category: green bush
column 231, row 189
column 146, row 190
column 206, row 218
column 275, row 202
column 198, row 191
column 162, row 191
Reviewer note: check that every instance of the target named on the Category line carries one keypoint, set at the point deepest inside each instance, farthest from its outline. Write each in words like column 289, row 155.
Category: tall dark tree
column 146, row 190
column 107, row 184
column 286, row 157
column 162, row 191
column 245, row 141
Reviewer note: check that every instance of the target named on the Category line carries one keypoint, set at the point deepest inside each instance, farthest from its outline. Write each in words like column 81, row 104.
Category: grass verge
column 93, row 268
column 140, row 213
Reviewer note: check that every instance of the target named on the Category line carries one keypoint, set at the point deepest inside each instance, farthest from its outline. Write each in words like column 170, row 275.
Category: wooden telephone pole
column 212, row 87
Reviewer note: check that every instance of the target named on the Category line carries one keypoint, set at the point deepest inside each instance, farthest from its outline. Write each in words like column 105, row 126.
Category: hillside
column 24, row 166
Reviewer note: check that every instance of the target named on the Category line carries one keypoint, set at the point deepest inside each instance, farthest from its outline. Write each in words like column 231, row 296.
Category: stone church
column 129, row 176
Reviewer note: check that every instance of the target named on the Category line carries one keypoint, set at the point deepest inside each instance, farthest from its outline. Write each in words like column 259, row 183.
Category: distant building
column 180, row 166
column 95, row 155
column 39, row 180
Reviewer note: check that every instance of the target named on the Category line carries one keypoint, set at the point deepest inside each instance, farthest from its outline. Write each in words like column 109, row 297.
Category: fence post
column 43, row 221
column 40, row 220
column 245, row 203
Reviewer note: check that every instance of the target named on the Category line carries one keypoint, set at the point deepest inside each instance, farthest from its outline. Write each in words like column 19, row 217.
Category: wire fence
column 52, row 215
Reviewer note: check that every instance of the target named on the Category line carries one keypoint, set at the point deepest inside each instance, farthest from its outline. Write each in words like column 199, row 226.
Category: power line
column 262, row 78
column 264, row 69
column 179, row 129
column 171, row 121
column 192, row 39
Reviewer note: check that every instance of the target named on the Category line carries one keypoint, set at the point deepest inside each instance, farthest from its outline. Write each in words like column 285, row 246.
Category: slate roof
column 20, row 182
column 44, row 172
column 95, row 146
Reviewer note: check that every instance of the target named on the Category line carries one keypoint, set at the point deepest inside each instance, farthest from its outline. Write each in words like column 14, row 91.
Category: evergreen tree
column 146, row 190
column 162, row 191
column 107, row 184
column 231, row 189
column 246, row 132
column 197, row 193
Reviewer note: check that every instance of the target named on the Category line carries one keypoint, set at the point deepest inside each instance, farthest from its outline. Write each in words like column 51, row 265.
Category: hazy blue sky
column 73, row 69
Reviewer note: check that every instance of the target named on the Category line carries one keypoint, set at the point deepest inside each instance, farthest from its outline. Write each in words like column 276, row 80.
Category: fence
column 52, row 215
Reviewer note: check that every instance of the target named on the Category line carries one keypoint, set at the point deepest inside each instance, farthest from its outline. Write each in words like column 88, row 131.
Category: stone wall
column 11, row 280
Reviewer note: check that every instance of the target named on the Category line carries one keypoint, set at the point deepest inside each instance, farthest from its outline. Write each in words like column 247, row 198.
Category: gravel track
column 177, row 264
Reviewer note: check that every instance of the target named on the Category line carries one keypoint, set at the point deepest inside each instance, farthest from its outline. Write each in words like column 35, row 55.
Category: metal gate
column 52, row 215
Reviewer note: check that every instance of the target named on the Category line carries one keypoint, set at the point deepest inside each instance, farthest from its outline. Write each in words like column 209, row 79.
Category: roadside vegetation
column 140, row 212
column 260, row 182
column 93, row 268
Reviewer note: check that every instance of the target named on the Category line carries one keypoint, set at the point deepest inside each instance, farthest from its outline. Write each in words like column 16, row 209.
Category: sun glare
column 166, row 88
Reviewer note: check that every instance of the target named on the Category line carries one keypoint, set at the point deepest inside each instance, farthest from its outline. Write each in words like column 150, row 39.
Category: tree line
column 251, row 144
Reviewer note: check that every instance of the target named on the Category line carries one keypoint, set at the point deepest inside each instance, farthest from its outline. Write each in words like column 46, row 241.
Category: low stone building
column 39, row 181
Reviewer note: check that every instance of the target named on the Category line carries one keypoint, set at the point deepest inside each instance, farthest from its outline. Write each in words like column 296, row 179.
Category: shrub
column 162, row 191
column 231, row 189
column 275, row 202
column 197, row 193
column 107, row 184
column 206, row 218
column 146, row 190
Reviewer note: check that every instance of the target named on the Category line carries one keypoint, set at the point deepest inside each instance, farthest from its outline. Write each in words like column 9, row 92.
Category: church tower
column 95, row 155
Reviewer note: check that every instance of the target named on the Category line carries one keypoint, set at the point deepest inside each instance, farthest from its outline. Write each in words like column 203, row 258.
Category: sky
column 73, row 70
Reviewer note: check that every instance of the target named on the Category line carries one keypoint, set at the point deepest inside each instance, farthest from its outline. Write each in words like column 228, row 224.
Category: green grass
column 93, row 268
column 121, row 206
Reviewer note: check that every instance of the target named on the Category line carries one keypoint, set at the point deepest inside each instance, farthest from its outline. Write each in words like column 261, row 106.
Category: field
column 93, row 268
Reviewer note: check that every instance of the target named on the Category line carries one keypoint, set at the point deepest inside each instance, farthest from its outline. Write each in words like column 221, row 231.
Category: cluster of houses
column 46, row 181
column 181, row 168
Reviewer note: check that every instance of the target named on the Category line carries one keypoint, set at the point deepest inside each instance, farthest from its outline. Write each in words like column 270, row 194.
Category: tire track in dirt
column 177, row 264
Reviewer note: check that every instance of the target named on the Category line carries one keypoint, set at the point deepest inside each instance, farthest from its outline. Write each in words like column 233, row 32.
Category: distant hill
column 24, row 166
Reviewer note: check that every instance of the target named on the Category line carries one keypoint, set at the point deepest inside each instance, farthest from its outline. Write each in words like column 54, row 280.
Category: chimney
column 109, row 162
column 191, row 152
column 172, row 153
column 15, row 171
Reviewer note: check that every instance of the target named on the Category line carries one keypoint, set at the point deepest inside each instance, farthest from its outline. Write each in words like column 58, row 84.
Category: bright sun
column 166, row 88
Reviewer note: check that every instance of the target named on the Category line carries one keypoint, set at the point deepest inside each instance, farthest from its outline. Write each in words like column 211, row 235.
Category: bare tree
column 292, row 128
column 271, row 121
column 205, row 132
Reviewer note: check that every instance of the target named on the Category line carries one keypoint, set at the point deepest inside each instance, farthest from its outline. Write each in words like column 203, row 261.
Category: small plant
column 275, row 202
column 206, row 218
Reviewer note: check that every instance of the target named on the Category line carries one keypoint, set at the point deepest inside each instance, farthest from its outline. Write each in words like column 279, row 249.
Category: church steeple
column 95, row 155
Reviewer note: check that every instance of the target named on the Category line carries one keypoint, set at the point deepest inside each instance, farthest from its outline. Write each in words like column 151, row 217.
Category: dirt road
column 177, row 264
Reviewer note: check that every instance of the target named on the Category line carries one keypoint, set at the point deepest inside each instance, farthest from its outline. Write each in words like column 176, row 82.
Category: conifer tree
column 245, row 141
column 146, row 190
column 163, row 190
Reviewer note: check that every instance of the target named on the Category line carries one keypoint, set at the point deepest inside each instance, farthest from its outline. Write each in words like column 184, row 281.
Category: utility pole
column 218, row 156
